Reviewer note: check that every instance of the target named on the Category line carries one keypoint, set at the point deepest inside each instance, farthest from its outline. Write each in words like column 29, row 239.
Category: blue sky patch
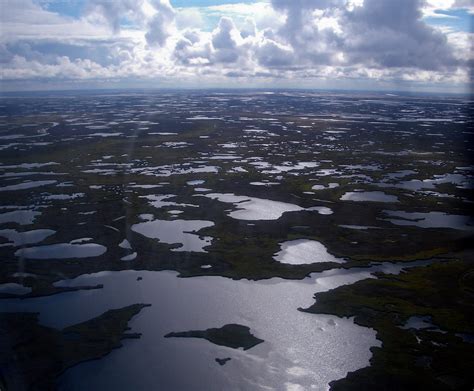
column 206, row 3
column 72, row 8
column 458, row 20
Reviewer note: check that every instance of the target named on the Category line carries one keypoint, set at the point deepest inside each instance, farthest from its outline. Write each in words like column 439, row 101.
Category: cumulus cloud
column 225, row 41
column 292, row 40
column 374, row 33
column 392, row 34
column 273, row 54
column 312, row 30
column 62, row 68
column 160, row 26
column 193, row 49
column 116, row 11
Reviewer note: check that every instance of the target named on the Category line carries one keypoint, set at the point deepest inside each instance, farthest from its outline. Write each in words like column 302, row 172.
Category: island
column 231, row 335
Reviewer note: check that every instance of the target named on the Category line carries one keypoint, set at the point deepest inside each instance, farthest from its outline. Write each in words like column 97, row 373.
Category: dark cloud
column 159, row 26
column 390, row 33
column 381, row 33
column 224, row 43
column 6, row 55
column 311, row 46
column 270, row 54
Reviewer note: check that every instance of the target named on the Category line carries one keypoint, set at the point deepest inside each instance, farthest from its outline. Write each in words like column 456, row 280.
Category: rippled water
column 294, row 340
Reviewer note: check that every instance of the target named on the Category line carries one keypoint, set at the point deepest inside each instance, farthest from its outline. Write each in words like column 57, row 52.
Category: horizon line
column 94, row 90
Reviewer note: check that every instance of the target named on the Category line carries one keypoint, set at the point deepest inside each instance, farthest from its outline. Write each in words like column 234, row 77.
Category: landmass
column 436, row 356
column 222, row 361
column 231, row 335
column 354, row 146
column 33, row 355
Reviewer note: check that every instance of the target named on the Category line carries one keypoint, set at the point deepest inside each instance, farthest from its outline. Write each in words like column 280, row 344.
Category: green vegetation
column 106, row 170
column 435, row 358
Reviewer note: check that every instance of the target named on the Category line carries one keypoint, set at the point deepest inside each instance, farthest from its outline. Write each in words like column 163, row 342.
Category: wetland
column 293, row 240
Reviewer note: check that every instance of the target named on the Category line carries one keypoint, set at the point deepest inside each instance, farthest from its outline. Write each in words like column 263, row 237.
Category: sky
column 409, row 45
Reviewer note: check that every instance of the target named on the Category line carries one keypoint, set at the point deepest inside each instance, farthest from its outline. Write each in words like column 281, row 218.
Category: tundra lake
column 236, row 240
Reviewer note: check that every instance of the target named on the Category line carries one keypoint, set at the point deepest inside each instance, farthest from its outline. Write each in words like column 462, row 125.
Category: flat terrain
column 370, row 193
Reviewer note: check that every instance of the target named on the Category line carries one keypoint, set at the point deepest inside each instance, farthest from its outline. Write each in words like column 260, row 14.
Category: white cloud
column 114, row 12
column 262, row 13
column 189, row 18
column 282, row 42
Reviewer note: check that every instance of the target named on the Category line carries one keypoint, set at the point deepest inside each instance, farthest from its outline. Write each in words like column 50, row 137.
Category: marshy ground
column 299, row 186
